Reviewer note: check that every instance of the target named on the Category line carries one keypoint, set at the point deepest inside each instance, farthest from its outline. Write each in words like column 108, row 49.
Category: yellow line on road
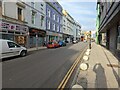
column 69, row 73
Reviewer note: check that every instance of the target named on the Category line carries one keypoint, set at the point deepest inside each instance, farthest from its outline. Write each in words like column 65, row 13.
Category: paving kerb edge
column 77, row 73
column 78, row 70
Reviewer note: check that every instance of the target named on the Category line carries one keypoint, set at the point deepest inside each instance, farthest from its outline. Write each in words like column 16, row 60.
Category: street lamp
column 90, row 40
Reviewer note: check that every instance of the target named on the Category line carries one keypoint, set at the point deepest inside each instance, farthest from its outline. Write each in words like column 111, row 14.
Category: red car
column 52, row 44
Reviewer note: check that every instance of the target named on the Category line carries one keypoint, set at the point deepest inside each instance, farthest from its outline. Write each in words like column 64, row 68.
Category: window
column 19, row 14
column 118, row 39
column 57, row 19
column 53, row 16
column 32, row 4
column 42, row 20
column 48, row 23
column 33, row 17
column 42, row 5
column 53, row 27
column 42, row 9
column 12, row 45
column 48, row 13
column 57, row 28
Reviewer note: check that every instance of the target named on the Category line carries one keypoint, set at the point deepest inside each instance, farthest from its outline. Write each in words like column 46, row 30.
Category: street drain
column 113, row 65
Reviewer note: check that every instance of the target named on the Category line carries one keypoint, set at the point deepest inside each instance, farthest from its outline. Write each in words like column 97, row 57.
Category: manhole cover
column 113, row 65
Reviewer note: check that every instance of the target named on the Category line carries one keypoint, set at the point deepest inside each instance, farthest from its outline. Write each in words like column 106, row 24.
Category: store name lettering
column 8, row 26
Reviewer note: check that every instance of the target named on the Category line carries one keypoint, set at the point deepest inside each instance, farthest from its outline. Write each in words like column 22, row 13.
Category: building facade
column 13, row 24
column 71, row 28
column 53, row 21
column 77, row 31
column 24, row 22
column 97, row 22
column 110, row 25
column 68, row 27
column 36, row 18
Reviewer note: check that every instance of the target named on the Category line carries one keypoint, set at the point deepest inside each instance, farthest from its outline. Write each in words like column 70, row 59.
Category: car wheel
column 23, row 53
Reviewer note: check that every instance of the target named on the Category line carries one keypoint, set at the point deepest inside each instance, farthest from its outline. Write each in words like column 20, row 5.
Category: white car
column 9, row 48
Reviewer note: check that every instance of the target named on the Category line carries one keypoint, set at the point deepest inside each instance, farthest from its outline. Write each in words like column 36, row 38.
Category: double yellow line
column 69, row 73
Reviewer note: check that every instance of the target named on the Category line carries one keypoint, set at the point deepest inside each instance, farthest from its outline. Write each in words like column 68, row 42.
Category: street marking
column 69, row 73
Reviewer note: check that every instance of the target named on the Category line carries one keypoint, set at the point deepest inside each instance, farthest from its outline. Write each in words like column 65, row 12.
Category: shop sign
column 54, row 34
column 9, row 26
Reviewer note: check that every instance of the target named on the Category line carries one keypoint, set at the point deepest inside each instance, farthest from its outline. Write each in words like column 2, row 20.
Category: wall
column 113, row 40
column 39, row 12
column 52, row 21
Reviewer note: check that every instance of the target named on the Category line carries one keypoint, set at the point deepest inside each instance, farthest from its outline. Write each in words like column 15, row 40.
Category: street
column 40, row 69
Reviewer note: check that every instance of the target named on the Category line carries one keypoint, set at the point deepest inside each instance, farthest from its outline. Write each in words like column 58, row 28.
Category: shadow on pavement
column 100, row 76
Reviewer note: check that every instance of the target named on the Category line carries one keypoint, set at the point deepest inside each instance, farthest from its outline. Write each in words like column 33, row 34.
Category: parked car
column 62, row 43
column 52, row 44
column 10, row 48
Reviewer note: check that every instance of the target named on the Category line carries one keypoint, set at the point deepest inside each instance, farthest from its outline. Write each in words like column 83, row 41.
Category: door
column 14, row 49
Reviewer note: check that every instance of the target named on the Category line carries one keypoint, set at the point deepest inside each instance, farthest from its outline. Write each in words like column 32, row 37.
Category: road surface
column 40, row 69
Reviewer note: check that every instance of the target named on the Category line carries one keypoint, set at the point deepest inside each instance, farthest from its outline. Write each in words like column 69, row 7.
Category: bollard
column 77, row 87
column 84, row 66
column 87, row 53
column 85, row 58
column 88, row 50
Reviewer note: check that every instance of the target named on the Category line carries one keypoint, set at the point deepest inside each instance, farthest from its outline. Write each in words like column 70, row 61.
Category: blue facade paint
column 55, row 8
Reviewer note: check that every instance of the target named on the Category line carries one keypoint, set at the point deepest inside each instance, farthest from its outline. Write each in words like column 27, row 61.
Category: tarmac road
column 40, row 69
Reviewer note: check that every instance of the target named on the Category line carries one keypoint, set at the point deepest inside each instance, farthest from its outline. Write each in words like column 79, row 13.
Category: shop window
column 118, row 39
column 19, row 14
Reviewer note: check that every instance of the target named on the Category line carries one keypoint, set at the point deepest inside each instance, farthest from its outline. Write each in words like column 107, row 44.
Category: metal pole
column 90, row 40
column 36, row 41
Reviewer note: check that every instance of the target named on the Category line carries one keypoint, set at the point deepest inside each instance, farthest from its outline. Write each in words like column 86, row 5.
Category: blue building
column 53, row 21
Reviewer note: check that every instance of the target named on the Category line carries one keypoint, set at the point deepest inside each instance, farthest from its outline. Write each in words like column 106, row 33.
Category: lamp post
column 90, row 40
column 37, row 41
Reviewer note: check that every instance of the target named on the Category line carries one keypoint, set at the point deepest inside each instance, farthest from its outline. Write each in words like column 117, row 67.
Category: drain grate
column 113, row 65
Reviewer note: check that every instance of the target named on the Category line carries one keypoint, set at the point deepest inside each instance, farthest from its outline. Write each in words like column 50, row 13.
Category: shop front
column 36, row 37
column 14, row 32
column 54, row 36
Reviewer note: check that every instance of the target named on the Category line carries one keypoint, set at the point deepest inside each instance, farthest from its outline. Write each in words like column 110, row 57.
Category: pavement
column 40, row 48
column 103, row 71
column 34, row 49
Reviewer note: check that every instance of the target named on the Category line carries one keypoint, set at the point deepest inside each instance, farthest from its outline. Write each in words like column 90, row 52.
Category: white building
column 23, row 22
column 13, row 24
column 35, row 16
column 71, row 28
column 68, row 26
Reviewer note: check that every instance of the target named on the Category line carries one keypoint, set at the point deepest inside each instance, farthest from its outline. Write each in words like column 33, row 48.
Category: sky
column 83, row 12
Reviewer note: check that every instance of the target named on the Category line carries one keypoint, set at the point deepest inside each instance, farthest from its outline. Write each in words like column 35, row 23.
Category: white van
column 9, row 48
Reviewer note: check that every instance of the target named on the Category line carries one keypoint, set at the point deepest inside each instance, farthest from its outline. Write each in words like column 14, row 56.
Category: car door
column 14, row 49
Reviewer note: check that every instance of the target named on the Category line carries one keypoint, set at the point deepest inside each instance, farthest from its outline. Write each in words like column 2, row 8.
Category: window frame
column 20, row 13
column 33, row 17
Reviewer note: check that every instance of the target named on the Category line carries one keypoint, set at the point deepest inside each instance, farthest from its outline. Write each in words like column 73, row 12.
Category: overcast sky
column 83, row 12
